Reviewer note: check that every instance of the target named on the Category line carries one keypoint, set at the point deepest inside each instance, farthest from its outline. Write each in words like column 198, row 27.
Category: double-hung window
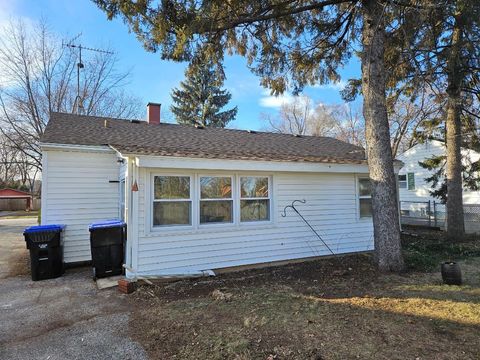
column 365, row 197
column 172, row 200
column 254, row 198
column 216, row 201
column 402, row 181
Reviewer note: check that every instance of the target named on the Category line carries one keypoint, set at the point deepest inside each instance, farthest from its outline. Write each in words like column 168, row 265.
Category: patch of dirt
column 307, row 276
column 338, row 308
column 19, row 263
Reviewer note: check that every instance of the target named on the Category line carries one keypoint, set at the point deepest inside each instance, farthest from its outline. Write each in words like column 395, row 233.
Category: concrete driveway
column 64, row 318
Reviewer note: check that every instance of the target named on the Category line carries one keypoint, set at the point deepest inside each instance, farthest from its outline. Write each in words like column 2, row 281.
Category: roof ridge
column 249, row 131
column 168, row 139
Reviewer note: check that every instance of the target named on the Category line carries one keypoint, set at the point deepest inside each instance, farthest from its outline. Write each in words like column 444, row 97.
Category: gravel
column 63, row 318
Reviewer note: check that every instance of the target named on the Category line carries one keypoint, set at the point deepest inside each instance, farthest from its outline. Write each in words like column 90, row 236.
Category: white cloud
column 337, row 85
column 7, row 11
column 271, row 101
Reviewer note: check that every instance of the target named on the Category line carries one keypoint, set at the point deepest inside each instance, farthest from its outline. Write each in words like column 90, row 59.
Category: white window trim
column 151, row 230
column 232, row 199
column 403, row 182
column 122, row 199
column 269, row 198
column 358, row 197
column 152, row 200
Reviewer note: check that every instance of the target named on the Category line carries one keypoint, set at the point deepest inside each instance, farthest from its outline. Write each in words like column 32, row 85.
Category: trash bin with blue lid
column 45, row 243
column 107, row 243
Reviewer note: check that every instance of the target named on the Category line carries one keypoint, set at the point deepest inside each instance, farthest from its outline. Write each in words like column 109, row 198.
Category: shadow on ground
column 329, row 309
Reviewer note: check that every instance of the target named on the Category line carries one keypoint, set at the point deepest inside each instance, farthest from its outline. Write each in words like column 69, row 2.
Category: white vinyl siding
column 421, row 188
column 77, row 191
column 331, row 208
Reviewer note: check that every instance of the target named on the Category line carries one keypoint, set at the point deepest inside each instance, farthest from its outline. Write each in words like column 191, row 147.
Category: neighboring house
column 414, row 190
column 199, row 199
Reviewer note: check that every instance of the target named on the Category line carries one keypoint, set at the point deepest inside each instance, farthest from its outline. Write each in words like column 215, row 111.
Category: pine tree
column 445, row 55
column 199, row 99
column 291, row 44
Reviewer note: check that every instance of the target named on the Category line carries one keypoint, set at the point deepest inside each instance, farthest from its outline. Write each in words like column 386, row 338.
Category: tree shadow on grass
column 264, row 321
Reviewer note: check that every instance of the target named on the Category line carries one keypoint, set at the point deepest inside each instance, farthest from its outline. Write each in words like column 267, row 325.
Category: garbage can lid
column 106, row 224
column 40, row 228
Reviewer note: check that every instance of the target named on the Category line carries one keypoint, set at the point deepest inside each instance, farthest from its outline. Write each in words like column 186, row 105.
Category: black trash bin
column 45, row 243
column 107, row 243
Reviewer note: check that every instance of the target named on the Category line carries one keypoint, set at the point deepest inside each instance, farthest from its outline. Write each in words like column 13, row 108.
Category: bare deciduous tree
column 350, row 124
column 301, row 116
column 8, row 156
column 38, row 76
column 16, row 171
column 406, row 116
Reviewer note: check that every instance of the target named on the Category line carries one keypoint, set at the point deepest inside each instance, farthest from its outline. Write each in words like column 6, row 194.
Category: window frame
column 269, row 198
column 190, row 199
column 402, row 182
column 359, row 197
column 122, row 198
column 195, row 194
column 199, row 197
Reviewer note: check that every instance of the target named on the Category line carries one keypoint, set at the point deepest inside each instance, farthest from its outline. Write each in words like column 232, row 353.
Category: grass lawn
column 338, row 308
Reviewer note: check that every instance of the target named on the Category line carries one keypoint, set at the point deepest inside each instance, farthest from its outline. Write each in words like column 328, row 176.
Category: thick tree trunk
column 388, row 254
column 455, row 219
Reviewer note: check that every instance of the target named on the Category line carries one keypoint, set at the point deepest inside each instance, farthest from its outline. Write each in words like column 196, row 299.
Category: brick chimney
column 153, row 113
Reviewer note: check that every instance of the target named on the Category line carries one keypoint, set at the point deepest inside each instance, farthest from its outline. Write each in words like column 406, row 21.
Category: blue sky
column 152, row 79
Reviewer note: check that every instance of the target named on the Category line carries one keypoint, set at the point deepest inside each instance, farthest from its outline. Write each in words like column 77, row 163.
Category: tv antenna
column 78, row 107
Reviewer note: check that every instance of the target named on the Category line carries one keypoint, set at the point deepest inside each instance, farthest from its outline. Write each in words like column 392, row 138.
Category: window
column 198, row 201
column 216, row 202
column 411, row 181
column 254, row 199
column 402, row 181
column 122, row 199
column 365, row 197
column 172, row 201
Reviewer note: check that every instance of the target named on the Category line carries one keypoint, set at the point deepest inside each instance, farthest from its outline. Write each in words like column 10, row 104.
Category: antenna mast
column 78, row 103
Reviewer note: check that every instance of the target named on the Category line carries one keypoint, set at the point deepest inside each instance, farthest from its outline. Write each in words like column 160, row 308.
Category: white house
column 411, row 176
column 198, row 199
column 413, row 188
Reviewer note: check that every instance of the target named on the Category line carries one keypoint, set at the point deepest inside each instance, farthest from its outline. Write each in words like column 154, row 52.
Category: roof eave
column 75, row 147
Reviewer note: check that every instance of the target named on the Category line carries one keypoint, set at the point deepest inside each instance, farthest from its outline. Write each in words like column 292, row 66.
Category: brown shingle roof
column 142, row 138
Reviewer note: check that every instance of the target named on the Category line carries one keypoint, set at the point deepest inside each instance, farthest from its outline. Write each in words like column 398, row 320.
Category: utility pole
column 78, row 107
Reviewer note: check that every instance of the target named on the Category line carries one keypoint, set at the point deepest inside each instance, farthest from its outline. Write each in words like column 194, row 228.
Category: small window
column 411, row 181
column 365, row 197
column 254, row 199
column 402, row 181
column 122, row 199
column 172, row 203
column 216, row 202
